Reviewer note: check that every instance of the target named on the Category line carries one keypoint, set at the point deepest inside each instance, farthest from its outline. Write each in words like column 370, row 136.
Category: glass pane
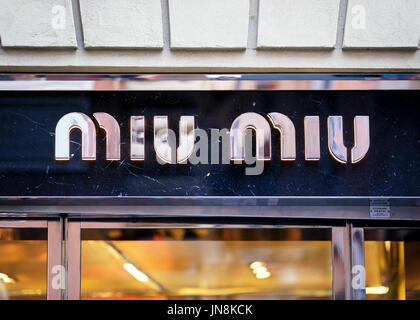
column 392, row 259
column 23, row 264
column 206, row 264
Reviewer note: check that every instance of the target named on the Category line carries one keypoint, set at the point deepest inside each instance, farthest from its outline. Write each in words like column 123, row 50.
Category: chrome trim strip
column 23, row 224
column 340, row 263
column 339, row 212
column 358, row 262
column 207, row 82
column 54, row 257
column 201, row 199
column 7, row 201
column 73, row 260
column 152, row 225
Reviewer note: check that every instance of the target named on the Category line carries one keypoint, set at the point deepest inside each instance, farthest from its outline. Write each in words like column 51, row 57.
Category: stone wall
column 209, row 35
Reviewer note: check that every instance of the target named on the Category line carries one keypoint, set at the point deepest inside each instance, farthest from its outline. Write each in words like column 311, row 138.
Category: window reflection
column 392, row 264
column 23, row 264
column 206, row 264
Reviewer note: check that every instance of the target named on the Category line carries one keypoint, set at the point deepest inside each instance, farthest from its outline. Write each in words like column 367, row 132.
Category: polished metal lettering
column 260, row 125
column 165, row 138
column 186, row 139
column 164, row 151
column 112, row 130
column 287, row 135
column 137, row 126
column 164, row 145
column 335, row 139
column 361, row 138
column 312, row 140
column 70, row 121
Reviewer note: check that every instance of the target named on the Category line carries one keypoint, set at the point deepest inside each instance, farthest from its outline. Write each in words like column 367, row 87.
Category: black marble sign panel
column 28, row 167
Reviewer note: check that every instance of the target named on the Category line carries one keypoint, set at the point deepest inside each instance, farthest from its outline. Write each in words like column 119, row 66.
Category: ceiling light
column 263, row 274
column 5, row 278
column 260, row 270
column 136, row 273
column 377, row 290
column 257, row 264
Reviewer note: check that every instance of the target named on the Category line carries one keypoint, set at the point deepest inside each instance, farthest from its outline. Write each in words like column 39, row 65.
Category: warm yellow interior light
column 5, row 278
column 260, row 270
column 136, row 273
column 263, row 274
column 377, row 290
column 256, row 264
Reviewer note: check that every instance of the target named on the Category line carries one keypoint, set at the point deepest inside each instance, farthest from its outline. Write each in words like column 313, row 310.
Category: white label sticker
column 380, row 208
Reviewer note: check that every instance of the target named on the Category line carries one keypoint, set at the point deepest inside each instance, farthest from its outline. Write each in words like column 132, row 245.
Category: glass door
column 23, row 260
column 180, row 258
column 205, row 260
column 392, row 263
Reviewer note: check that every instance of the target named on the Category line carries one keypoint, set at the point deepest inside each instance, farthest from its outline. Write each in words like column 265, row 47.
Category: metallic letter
column 112, row 129
column 361, row 138
column 164, row 151
column 137, row 138
column 65, row 125
column 312, row 148
column 163, row 146
column 186, row 138
column 287, row 135
column 260, row 125
column 335, row 139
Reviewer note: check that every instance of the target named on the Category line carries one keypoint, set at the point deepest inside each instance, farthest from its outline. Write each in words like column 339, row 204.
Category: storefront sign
column 165, row 150
column 194, row 143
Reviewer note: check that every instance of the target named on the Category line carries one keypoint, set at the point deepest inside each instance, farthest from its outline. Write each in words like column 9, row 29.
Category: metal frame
column 55, row 259
column 347, row 241
column 340, row 245
column 127, row 207
column 357, row 261
column 347, row 244
column 23, row 224
column 54, row 245
column 341, row 263
column 68, row 286
column 73, row 259
column 273, row 81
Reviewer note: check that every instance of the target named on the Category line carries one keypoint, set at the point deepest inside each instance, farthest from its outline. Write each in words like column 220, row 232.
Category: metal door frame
column 64, row 242
column 54, row 226
column 61, row 216
column 346, row 252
